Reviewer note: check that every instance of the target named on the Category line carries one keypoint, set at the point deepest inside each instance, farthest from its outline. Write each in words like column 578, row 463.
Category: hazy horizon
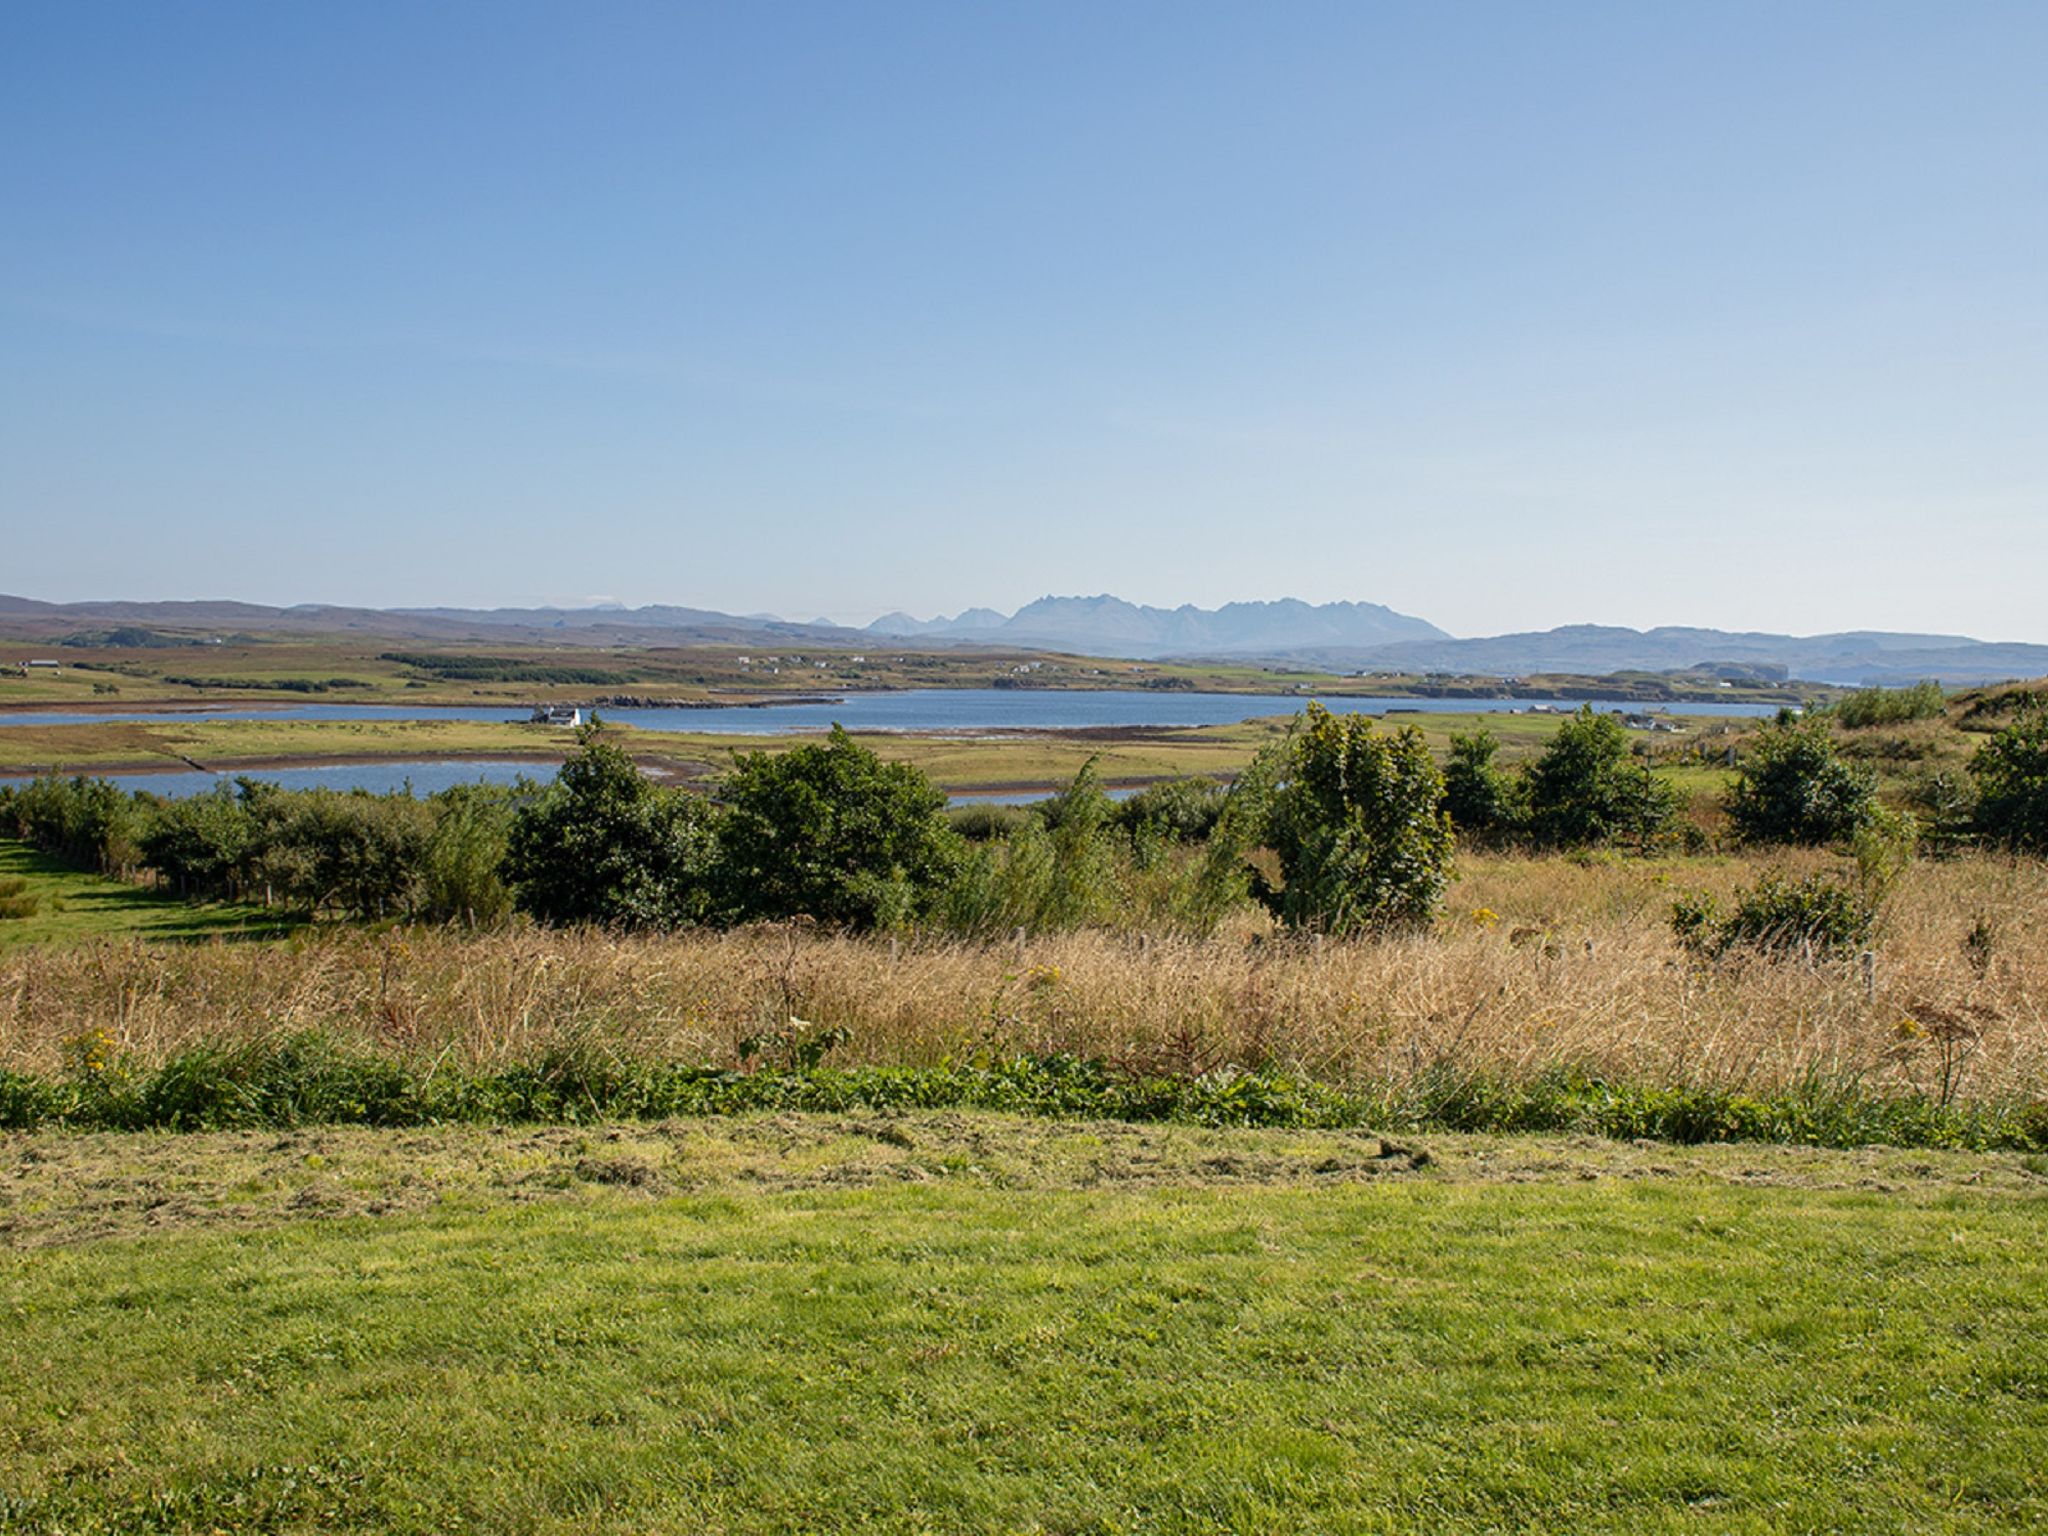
column 1504, row 317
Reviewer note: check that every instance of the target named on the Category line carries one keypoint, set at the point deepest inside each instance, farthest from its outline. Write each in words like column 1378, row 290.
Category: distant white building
column 557, row 714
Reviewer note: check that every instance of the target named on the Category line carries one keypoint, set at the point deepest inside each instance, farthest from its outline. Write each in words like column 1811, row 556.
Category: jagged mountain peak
column 1104, row 622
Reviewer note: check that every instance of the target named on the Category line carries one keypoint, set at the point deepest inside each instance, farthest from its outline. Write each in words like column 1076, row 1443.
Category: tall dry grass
column 1537, row 964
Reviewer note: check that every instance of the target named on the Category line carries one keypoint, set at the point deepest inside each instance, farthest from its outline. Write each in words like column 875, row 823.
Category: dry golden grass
column 1538, row 963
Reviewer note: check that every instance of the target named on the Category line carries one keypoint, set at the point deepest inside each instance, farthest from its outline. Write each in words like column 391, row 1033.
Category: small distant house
column 52, row 665
column 557, row 714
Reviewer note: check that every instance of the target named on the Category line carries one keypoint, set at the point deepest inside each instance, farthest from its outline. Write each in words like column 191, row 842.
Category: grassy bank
column 960, row 1324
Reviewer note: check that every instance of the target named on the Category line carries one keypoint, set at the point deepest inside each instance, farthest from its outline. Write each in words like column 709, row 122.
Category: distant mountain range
column 607, row 625
column 1352, row 637
column 1342, row 637
column 1110, row 626
column 1855, row 657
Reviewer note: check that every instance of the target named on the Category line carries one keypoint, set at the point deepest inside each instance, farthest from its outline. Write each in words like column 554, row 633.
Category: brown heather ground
column 1537, row 963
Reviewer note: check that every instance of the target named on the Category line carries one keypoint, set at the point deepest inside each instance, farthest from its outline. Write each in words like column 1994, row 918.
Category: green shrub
column 1354, row 819
column 1793, row 787
column 1062, row 868
column 2011, row 773
column 348, row 850
column 1586, row 789
column 981, row 821
column 1180, row 810
column 1076, row 861
column 462, row 876
column 1817, row 915
column 1890, row 706
column 206, row 845
column 1482, row 801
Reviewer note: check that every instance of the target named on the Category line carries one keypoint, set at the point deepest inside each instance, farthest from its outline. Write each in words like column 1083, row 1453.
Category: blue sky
column 1505, row 315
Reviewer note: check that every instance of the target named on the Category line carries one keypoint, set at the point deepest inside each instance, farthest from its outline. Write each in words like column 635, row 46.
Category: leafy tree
column 359, row 852
column 1482, row 801
column 828, row 830
column 1794, row 787
column 206, row 844
column 1586, row 789
column 1353, row 818
column 603, row 845
column 2011, row 770
column 88, row 823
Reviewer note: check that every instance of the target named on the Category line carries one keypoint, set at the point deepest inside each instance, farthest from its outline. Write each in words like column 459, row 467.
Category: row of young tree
column 1340, row 827
column 1791, row 786
column 348, row 853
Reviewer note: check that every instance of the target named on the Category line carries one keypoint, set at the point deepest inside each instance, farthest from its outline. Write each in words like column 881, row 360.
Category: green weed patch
column 310, row 1079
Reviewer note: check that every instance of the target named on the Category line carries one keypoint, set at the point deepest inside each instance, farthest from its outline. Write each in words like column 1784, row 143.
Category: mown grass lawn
column 1435, row 1353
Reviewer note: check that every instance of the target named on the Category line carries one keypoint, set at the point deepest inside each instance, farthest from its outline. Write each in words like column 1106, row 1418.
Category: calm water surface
column 431, row 777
